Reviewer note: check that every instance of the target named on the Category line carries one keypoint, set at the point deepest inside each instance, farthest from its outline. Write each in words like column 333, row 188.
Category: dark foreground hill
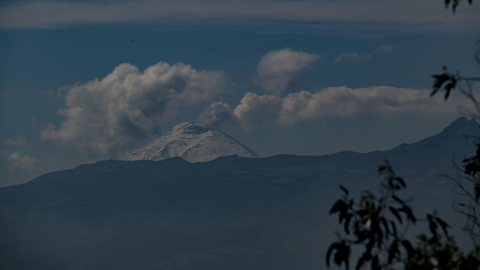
column 229, row 213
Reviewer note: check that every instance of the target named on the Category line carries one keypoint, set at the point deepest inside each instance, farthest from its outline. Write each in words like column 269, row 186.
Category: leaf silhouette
column 443, row 224
column 330, row 250
column 344, row 189
column 395, row 213
column 447, row 79
column 338, row 206
column 408, row 211
column 432, row 225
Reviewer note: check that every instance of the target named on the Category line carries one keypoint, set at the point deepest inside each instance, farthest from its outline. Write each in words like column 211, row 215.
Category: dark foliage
column 454, row 3
column 378, row 223
column 433, row 253
column 378, row 233
column 445, row 81
column 467, row 178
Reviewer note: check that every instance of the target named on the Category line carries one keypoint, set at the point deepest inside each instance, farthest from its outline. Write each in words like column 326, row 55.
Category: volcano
column 192, row 142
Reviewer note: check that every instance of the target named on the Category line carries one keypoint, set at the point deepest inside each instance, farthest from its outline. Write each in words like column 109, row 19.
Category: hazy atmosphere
column 82, row 81
column 208, row 134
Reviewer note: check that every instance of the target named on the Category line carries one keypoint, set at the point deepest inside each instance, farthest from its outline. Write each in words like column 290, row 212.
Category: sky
column 82, row 81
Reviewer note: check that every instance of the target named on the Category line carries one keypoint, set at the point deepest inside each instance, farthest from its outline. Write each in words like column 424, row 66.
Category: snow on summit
column 192, row 142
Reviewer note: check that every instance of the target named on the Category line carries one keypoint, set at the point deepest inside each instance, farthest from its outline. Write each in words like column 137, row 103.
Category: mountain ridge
column 229, row 213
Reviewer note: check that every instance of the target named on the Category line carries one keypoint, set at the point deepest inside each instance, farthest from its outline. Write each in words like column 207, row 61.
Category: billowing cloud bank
column 255, row 110
column 105, row 117
column 251, row 112
column 279, row 69
column 343, row 101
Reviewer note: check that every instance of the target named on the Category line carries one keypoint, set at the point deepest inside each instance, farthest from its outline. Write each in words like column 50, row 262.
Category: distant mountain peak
column 453, row 140
column 462, row 123
column 192, row 142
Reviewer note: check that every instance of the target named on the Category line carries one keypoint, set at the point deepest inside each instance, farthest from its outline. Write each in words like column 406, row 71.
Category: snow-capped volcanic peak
column 193, row 143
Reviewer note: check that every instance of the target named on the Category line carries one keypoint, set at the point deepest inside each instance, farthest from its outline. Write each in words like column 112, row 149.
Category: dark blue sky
column 56, row 46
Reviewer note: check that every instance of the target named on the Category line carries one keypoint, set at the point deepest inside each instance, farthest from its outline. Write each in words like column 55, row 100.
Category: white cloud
column 279, row 69
column 384, row 49
column 255, row 110
column 105, row 117
column 354, row 57
column 54, row 14
column 18, row 141
column 252, row 111
column 19, row 162
column 347, row 102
